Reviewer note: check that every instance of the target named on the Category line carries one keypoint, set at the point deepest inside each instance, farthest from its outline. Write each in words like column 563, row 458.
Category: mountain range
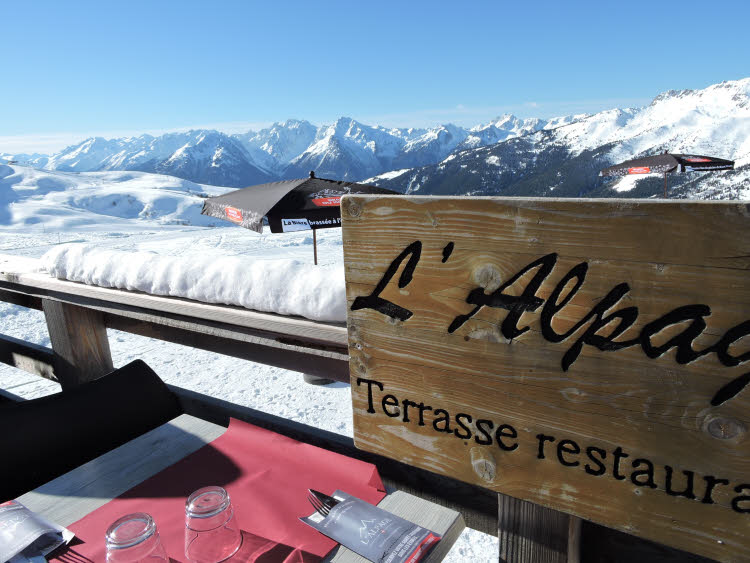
column 345, row 149
column 508, row 156
column 565, row 161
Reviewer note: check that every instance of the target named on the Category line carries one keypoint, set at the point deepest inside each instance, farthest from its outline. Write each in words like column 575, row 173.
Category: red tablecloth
column 267, row 476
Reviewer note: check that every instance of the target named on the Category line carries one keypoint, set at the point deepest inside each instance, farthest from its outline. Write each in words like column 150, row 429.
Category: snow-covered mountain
column 203, row 156
column 564, row 159
column 345, row 149
column 509, row 126
column 349, row 150
column 56, row 200
column 211, row 157
column 36, row 159
column 275, row 147
column 561, row 156
column 432, row 146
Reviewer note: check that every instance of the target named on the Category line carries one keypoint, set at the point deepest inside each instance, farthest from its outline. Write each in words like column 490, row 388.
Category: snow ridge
column 287, row 287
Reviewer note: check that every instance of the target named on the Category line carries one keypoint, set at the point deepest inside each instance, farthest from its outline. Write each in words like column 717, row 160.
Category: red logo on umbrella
column 639, row 170
column 233, row 214
column 327, row 201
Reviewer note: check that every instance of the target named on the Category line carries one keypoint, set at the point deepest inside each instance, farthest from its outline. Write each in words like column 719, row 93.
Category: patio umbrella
column 666, row 162
column 290, row 205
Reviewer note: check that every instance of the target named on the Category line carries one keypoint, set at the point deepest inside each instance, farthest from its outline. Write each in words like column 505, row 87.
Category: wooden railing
column 78, row 315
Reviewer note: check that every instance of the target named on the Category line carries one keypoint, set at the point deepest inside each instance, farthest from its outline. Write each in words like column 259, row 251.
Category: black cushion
column 43, row 438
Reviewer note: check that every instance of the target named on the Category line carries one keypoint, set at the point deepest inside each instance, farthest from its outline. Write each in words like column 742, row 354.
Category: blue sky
column 74, row 69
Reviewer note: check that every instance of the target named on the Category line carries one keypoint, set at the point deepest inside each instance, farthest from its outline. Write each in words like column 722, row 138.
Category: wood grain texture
column 611, row 435
column 574, row 539
column 310, row 355
column 530, row 533
column 79, row 340
column 239, row 342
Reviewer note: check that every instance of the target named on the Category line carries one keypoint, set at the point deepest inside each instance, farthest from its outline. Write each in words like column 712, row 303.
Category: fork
column 320, row 507
column 328, row 501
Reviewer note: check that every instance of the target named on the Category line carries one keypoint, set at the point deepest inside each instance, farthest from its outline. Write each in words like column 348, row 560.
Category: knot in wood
column 354, row 209
column 488, row 277
column 725, row 428
column 483, row 464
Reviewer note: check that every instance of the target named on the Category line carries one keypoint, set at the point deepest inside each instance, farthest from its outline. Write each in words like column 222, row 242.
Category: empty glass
column 134, row 539
column 211, row 530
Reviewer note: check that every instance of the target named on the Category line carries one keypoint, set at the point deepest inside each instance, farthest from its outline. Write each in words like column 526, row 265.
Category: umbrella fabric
column 663, row 163
column 695, row 162
column 290, row 205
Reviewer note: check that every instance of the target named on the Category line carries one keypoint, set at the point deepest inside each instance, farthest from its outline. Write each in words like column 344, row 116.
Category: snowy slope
column 213, row 158
column 135, row 213
column 46, row 200
column 432, row 146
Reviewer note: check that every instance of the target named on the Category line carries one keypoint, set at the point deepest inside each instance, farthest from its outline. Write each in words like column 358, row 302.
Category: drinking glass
column 134, row 539
column 211, row 530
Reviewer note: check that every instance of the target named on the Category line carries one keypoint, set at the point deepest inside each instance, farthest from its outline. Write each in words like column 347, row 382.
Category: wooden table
column 72, row 496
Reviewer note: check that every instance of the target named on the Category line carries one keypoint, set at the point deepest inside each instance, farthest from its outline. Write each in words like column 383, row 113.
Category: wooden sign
column 590, row 356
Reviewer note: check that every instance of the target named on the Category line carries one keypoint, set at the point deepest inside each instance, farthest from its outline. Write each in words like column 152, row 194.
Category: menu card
column 25, row 535
column 372, row 532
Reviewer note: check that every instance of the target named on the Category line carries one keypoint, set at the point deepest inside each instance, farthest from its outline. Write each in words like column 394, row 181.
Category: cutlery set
column 370, row 531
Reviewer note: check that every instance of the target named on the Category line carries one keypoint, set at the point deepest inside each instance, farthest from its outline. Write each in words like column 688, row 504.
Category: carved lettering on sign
column 587, row 329
column 616, row 464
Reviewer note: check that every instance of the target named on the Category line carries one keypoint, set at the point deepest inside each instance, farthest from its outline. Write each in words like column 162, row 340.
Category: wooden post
column 315, row 246
column 529, row 533
column 574, row 539
column 79, row 340
column 665, row 184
